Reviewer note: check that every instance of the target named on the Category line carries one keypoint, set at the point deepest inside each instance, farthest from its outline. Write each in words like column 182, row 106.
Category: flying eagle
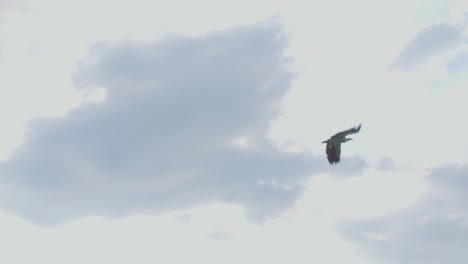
column 333, row 148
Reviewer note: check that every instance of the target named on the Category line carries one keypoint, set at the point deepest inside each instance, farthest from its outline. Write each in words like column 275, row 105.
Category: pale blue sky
column 183, row 132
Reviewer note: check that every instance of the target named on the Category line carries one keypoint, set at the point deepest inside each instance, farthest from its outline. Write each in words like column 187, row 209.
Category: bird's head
column 326, row 141
column 347, row 139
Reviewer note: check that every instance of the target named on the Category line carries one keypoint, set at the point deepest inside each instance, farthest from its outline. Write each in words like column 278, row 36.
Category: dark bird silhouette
column 333, row 148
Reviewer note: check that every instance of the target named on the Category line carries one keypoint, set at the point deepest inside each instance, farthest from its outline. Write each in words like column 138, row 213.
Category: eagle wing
column 347, row 132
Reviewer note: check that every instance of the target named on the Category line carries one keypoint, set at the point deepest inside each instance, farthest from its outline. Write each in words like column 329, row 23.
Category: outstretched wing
column 347, row 132
column 333, row 151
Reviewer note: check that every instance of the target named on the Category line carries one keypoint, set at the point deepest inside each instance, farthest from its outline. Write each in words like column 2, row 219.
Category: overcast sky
column 190, row 131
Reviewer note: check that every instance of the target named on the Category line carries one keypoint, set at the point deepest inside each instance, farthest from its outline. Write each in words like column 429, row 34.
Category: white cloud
column 146, row 239
column 433, row 230
column 429, row 42
column 341, row 54
column 7, row 4
column 162, row 139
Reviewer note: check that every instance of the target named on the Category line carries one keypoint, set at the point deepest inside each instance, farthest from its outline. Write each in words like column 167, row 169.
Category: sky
column 190, row 131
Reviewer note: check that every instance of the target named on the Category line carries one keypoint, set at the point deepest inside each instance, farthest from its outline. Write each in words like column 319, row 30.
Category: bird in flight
column 333, row 149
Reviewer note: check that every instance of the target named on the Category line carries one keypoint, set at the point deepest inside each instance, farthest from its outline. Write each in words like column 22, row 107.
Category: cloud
column 459, row 63
column 166, row 136
column 348, row 167
column 386, row 164
column 6, row 5
column 218, row 236
column 429, row 42
column 9, row 5
column 434, row 230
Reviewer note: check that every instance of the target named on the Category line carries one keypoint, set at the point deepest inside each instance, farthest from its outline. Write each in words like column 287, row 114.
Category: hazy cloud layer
column 6, row 5
column 183, row 123
column 433, row 231
column 429, row 42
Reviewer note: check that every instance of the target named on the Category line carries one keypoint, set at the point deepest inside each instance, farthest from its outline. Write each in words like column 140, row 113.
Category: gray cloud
column 459, row 63
column 348, row 166
column 162, row 139
column 432, row 231
column 8, row 4
column 386, row 164
column 428, row 42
